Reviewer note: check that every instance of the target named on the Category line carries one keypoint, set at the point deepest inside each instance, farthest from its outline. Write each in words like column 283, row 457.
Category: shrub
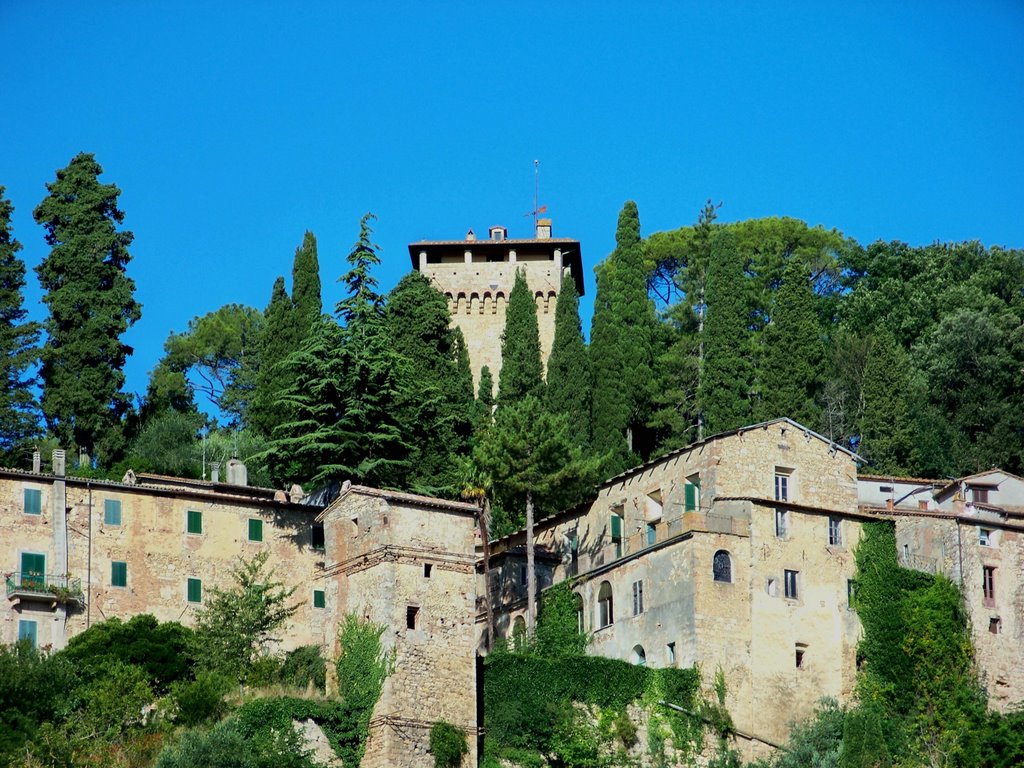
column 303, row 666
column 447, row 744
column 202, row 700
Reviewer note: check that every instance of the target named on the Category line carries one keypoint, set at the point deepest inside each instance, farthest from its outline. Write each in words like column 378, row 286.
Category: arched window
column 605, row 615
column 519, row 633
column 639, row 656
column 579, row 612
column 722, row 566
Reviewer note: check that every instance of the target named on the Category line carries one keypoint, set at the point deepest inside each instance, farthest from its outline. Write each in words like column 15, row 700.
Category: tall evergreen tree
column 91, row 304
column 484, row 409
column 522, row 372
column 885, row 428
column 306, row 288
column 569, row 378
column 724, row 391
column 277, row 341
column 791, row 368
column 18, row 339
column 622, row 344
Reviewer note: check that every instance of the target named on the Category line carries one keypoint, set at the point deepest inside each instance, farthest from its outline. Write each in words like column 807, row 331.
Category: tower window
column 412, row 617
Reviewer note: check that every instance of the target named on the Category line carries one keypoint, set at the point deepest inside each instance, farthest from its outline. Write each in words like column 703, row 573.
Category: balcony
column 39, row 588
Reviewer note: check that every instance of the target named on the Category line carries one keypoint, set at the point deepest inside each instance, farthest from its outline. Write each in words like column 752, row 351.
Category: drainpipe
column 88, row 567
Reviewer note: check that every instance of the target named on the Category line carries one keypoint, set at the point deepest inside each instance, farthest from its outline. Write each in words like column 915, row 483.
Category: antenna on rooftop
column 537, row 208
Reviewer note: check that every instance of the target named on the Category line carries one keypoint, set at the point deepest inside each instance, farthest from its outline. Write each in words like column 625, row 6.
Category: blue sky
column 233, row 127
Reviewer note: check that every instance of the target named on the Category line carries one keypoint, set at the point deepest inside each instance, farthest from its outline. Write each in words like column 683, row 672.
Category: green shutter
column 195, row 521
column 33, row 565
column 319, row 598
column 255, row 530
column 33, row 501
column 195, row 591
column 691, row 497
column 616, row 527
column 111, row 512
column 118, row 574
column 27, row 632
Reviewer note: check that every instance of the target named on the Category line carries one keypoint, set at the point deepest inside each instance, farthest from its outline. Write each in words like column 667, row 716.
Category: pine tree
column 791, row 369
column 306, row 288
column 522, row 372
column 91, row 304
column 277, row 341
column 622, row 345
column 724, row 390
column 568, row 379
column 18, row 339
column 484, row 407
column 885, row 427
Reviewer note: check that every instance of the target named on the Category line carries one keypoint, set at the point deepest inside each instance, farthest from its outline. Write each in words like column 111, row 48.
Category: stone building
column 734, row 553
column 972, row 531
column 477, row 276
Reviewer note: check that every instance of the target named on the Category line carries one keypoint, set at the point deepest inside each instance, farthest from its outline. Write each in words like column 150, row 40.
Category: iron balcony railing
column 61, row 588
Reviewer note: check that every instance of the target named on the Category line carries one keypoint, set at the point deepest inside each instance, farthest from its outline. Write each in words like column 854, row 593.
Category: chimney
column 237, row 473
column 543, row 229
column 470, row 236
column 37, row 461
column 58, row 462
column 296, row 494
column 215, row 471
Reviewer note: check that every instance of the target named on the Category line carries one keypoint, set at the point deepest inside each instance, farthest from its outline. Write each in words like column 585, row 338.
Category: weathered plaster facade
column 477, row 277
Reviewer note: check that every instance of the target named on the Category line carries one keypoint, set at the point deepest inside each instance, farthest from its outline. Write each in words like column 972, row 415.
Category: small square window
column 195, row 521
column 255, row 530
column 118, row 574
column 791, row 584
column 33, row 501
column 801, row 652
column 319, row 598
column 995, row 625
column 985, row 537
column 427, row 568
column 28, row 632
column 835, row 532
column 112, row 512
column 195, row 590
column 412, row 617
column 979, row 494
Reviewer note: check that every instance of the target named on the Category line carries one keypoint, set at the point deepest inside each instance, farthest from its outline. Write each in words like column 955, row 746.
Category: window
column 670, row 654
column 781, row 484
column 721, row 566
column 522, row 575
column 922, row 504
column 985, row 537
column 316, row 540
column 851, row 591
column 28, row 632
column 118, row 574
column 427, row 568
column 195, row 591
column 616, row 526
column 519, row 634
column 790, row 578
column 638, row 597
column 979, row 494
column 194, row 523
column 319, row 598
column 691, row 493
column 412, row 617
column 605, row 614
column 652, row 534
column 781, row 523
column 639, row 656
column 255, row 530
column 653, row 506
column 995, row 625
column 33, row 570
column 111, row 512
column 772, row 587
column 988, row 584
column 33, row 501
column 835, row 532
column 801, row 650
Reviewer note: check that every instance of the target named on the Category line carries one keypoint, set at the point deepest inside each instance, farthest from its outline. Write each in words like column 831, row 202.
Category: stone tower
column 477, row 276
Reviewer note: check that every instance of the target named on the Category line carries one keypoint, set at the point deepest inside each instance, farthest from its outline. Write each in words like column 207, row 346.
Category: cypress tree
column 791, row 368
column 885, row 427
column 521, row 368
column 723, row 392
column 568, row 379
column 91, row 304
column 306, row 288
column 622, row 344
column 277, row 342
column 18, row 339
column 484, row 408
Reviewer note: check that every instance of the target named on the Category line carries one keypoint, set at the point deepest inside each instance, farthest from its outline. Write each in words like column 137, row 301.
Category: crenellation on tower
column 477, row 276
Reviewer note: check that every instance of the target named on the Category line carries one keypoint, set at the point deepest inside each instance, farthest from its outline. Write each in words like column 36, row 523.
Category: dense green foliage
column 521, row 368
column 568, row 377
column 18, row 339
column 362, row 667
column 447, row 744
column 558, row 631
column 90, row 300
